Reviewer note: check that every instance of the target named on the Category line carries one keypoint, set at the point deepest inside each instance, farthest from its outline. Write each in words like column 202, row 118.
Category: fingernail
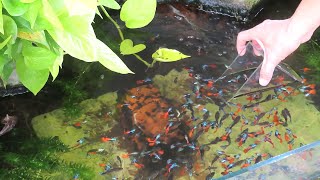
column 263, row 82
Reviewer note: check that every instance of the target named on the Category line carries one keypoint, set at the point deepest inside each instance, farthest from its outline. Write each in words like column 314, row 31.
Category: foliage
column 32, row 158
column 168, row 55
column 126, row 47
column 137, row 14
column 35, row 35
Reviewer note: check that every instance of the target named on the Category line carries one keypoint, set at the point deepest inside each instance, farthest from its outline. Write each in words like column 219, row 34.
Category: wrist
column 299, row 31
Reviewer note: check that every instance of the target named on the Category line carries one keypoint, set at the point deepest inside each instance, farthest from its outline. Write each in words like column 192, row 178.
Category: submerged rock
column 13, row 86
column 84, row 136
column 239, row 9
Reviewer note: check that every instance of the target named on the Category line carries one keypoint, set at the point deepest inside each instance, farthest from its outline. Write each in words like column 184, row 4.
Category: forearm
column 305, row 20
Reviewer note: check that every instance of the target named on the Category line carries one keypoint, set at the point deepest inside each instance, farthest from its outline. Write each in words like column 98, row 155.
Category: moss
column 36, row 158
column 72, row 96
column 311, row 52
column 173, row 85
column 96, row 119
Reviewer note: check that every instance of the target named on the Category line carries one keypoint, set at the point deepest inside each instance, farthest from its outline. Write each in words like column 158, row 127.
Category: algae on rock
column 173, row 85
column 83, row 134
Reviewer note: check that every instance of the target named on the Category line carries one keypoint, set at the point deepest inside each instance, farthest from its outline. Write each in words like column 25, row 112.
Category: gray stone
column 240, row 9
column 234, row 4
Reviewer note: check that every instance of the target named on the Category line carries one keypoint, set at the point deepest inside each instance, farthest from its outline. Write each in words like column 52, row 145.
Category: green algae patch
column 305, row 126
column 83, row 137
column 173, row 85
column 52, row 124
column 108, row 99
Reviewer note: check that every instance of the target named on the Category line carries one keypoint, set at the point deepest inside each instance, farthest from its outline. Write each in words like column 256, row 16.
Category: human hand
column 275, row 39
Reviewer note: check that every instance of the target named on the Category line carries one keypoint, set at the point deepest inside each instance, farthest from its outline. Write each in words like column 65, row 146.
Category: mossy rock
column 95, row 121
column 173, row 85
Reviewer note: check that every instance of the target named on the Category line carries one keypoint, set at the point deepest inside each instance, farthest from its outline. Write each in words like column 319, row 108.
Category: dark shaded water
column 207, row 38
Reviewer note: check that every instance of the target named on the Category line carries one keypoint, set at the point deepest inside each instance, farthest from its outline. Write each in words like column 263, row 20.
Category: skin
column 277, row 39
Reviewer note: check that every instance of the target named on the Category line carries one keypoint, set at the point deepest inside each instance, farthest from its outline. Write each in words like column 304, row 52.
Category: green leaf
column 15, row 7
column 126, row 47
column 34, row 80
column 3, row 61
column 112, row 4
column 22, row 23
column 79, row 46
column 54, row 69
column 47, row 14
column 168, row 55
column 70, row 22
column 4, row 43
column 14, row 51
column 35, row 36
column 37, row 58
column 109, row 59
column 1, row 20
column 32, row 14
column 84, row 8
column 138, row 13
column 7, row 71
column 11, row 29
column 54, row 47
column 98, row 12
column 58, row 6
column 28, row 1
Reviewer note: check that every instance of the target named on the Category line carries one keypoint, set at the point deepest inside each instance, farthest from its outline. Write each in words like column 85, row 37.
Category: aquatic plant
column 34, row 158
column 311, row 53
column 73, row 94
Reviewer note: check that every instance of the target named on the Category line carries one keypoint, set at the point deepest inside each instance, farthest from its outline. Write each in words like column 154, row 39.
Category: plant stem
column 121, row 34
column 145, row 62
column 113, row 21
column 314, row 42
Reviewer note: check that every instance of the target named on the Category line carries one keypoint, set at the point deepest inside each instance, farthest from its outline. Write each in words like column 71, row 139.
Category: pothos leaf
column 27, row 1
column 4, row 43
column 127, row 48
column 48, row 14
column 168, row 55
column 112, row 4
column 1, row 20
column 32, row 14
column 15, row 7
column 11, row 29
column 37, row 58
column 84, row 8
column 3, row 61
column 8, row 68
column 35, row 36
column 138, row 13
column 109, row 59
column 79, row 46
column 54, row 69
column 34, row 80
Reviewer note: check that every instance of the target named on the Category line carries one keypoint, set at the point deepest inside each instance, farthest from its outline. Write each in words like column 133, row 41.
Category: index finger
column 242, row 39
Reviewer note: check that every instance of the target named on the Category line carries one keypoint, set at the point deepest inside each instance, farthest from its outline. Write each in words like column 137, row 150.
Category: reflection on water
column 177, row 123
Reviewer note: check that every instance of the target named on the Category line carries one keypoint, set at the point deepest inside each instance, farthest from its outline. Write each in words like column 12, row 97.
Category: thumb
column 267, row 69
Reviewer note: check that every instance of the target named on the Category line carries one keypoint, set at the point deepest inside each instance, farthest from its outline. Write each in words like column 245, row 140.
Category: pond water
column 166, row 122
